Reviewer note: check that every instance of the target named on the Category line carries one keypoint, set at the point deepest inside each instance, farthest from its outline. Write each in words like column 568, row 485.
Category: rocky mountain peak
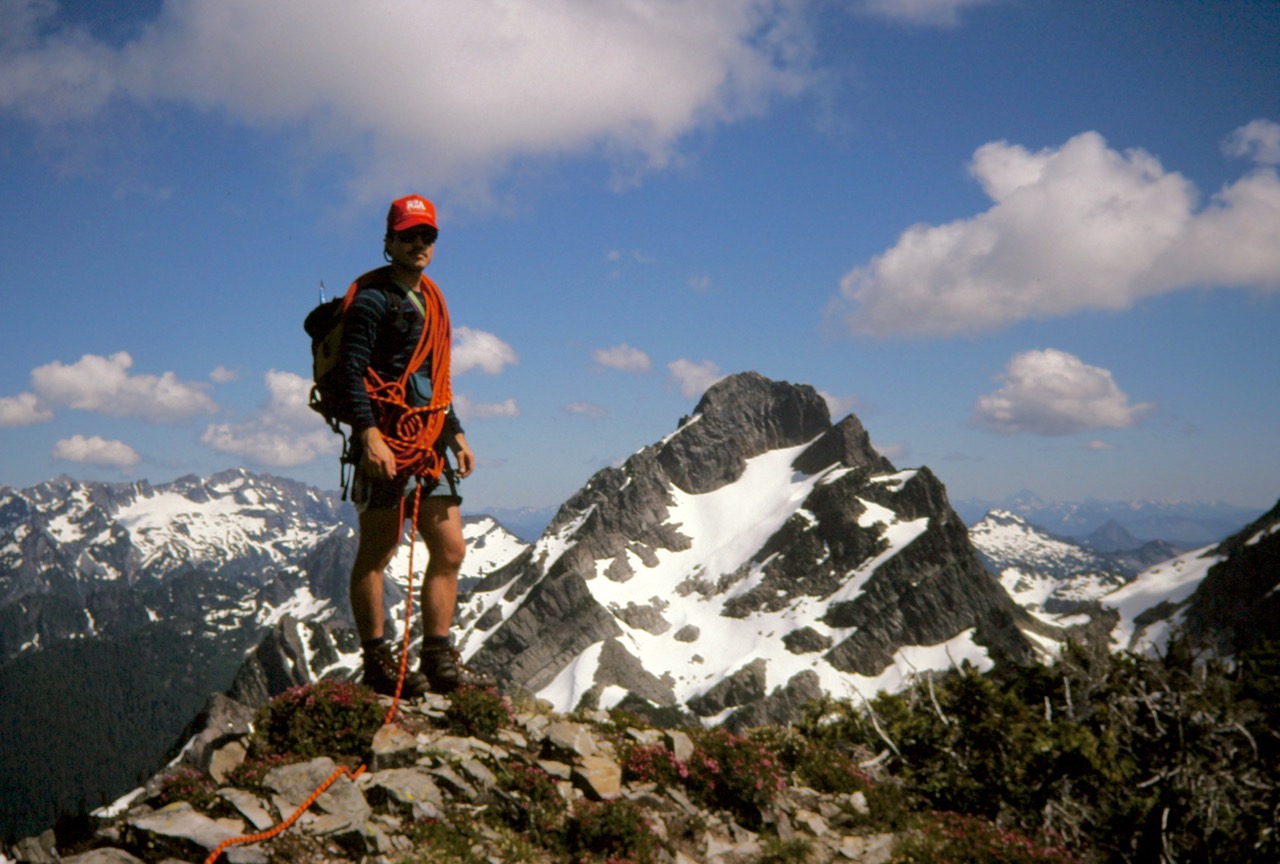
column 752, row 559
column 1111, row 536
column 739, row 417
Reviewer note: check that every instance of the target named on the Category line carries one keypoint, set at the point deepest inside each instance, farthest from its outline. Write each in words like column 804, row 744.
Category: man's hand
column 466, row 459
column 378, row 460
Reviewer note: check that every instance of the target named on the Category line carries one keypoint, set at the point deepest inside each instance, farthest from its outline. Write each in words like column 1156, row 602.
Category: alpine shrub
column 961, row 839
column 328, row 718
column 733, row 773
column 652, row 763
column 615, row 832
column 540, row 808
column 250, row 773
column 477, row 712
column 438, row 842
column 187, row 784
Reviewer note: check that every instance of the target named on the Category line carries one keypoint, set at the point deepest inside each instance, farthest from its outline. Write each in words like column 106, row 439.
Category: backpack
column 324, row 325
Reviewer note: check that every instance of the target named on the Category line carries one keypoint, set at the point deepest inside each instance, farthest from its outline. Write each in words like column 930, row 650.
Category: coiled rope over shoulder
column 411, row 432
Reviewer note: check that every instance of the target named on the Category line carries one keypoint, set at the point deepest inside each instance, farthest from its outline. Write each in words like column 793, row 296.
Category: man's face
column 412, row 249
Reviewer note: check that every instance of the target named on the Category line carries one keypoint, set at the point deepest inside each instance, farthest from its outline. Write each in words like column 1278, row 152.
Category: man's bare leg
column 440, row 524
column 379, row 536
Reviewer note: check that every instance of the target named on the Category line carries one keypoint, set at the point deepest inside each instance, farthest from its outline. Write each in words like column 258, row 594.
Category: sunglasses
column 427, row 237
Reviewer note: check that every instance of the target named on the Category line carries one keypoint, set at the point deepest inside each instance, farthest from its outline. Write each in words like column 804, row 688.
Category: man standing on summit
column 395, row 378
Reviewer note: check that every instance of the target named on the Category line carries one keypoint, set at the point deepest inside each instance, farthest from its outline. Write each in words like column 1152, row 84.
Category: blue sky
column 1032, row 244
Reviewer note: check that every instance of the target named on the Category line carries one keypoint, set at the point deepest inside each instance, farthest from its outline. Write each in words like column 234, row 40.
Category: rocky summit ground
column 523, row 786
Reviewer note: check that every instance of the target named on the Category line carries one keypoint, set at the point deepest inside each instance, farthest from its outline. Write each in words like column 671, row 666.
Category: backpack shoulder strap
column 373, row 279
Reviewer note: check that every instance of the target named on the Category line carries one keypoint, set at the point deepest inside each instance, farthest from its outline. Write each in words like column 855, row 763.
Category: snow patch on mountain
column 685, row 591
column 1169, row 586
column 302, row 604
column 489, row 547
column 1262, row 535
column 1047, row 575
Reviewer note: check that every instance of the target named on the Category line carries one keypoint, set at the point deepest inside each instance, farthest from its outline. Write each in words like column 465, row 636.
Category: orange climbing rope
column 411, row 433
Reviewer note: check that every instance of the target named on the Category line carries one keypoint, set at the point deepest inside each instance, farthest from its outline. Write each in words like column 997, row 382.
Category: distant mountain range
column 1183, row 523
column 123, row 605
column 758, row 556
column 1059, row 575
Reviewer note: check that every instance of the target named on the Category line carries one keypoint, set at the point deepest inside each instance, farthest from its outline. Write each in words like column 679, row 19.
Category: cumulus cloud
column 1053, row 393
column 468, row 410
column 1258, row 140
column 586, row 409
column 693, row 379
column 283, row 433
column 476, row 349
column 23, row 410
column 494, row 80
column 892, row 452
column 103, row 385
column 223, row 375
column 623, row 357
column 98, row 451
column 1080, row 227
column 839, row 406
column 927, row 12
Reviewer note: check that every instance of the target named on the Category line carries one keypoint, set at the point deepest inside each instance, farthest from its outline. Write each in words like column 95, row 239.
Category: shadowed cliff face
column 755, row 557
column 1237, row 606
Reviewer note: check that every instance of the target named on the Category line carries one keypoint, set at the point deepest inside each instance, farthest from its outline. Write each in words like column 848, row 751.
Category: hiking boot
column 382, row 673
column 445, row 672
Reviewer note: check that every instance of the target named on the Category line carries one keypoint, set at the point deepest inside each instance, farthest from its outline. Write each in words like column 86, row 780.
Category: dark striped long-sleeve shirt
column 374, row 339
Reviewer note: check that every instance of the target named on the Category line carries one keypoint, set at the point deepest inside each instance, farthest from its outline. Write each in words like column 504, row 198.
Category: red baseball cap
column 410, row 212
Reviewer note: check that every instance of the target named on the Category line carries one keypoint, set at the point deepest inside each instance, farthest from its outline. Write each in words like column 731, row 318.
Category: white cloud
column 1258, row 140
column 96, row 451
column 468, row 410
column 1051, row 393
column 1082, row 227
column 1099, row 445
column 23, row 410
column 693, row 379
column 892, row 452
column 476, row 349
column 283, row 433
column 623, row 357
column 223, row 375
column 103, row 385
column 839, row 406
column 929, row 12
column 493, row 80
column 586, row 409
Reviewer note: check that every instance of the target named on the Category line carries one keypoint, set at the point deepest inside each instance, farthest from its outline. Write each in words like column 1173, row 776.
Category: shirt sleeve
column 452, row 425
column 359, row 335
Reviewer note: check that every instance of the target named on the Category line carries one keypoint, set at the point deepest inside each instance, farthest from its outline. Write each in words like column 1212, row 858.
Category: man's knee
column 448, row 552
